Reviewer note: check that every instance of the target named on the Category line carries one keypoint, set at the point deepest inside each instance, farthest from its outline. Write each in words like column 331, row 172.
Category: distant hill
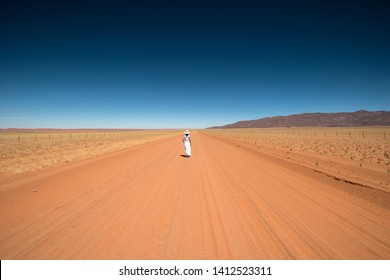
column 358, row 118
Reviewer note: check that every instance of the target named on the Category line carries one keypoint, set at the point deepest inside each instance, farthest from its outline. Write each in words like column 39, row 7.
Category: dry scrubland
column 352, row 153
column 28, row 150
column 355, row 153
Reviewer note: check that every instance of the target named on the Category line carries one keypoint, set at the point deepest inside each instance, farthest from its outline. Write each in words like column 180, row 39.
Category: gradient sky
column 188, row 64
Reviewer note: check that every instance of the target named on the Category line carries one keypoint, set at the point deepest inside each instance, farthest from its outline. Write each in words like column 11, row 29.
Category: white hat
column 186, row 132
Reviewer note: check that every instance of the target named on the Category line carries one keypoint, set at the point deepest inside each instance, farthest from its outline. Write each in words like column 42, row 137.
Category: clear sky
column 188, row 64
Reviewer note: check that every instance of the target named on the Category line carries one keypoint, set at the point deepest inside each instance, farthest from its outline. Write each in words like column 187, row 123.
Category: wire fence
column 74, row 135
column 354, row 132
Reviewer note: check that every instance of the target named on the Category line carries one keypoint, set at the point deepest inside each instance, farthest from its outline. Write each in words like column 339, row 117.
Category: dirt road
column 225, row 202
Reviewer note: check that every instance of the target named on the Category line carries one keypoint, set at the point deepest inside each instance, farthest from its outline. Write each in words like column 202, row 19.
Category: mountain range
column 344, row 119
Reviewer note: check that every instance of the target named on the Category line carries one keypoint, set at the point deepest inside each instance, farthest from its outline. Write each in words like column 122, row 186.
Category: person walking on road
column 187, row 143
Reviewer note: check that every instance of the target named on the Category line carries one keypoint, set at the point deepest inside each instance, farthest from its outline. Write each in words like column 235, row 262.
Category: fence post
column 363, row 133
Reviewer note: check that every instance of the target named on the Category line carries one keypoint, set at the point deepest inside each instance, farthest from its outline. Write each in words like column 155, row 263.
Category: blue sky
column 189, row 64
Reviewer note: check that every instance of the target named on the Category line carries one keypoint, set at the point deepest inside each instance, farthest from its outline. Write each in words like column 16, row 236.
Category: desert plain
column 285, row 193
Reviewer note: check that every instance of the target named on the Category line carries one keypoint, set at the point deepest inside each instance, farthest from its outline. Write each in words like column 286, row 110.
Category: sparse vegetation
column 366, row 144
column 351, row 152
column 24, row 151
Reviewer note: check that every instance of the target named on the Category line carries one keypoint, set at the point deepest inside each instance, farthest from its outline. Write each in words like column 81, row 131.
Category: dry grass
column 353, row 152
column 26, row 150
column 361, row 144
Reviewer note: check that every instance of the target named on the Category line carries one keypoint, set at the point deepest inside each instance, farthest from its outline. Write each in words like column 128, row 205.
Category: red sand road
column 225, row 202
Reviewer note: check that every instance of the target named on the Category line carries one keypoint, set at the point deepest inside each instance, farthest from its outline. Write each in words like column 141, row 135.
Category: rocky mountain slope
column 358, row 118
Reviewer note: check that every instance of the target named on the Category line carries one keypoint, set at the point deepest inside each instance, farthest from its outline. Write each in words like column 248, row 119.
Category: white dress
column 187, row 145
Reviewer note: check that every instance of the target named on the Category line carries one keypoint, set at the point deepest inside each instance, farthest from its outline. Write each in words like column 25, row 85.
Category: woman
column 187, row 143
